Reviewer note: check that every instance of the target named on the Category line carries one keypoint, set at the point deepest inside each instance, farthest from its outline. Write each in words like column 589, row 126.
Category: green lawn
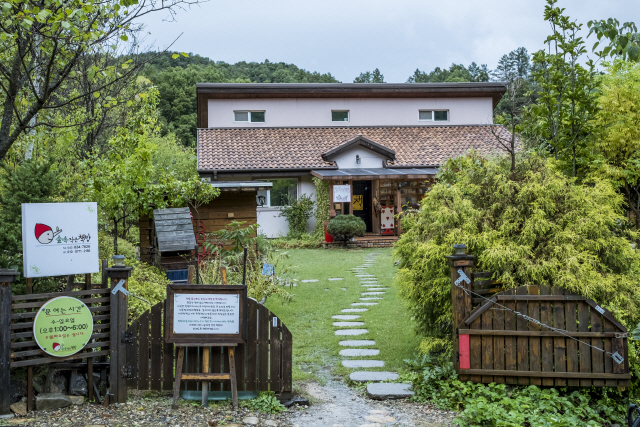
column 308, row 316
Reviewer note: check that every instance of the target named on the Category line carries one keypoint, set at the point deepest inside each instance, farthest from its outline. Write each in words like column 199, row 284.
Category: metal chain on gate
column 615, row 356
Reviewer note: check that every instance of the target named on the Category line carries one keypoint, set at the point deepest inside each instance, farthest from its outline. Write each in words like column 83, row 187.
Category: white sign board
column 60, row 239
column 342, row 193
column 206, row 314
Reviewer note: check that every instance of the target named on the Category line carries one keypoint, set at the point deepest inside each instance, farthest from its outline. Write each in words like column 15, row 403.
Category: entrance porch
column 377, row 195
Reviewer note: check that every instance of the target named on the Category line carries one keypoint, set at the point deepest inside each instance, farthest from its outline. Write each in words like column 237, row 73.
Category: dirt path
column 336, row 405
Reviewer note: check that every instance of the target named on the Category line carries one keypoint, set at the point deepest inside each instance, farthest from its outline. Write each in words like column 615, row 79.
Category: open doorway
column 362, row 202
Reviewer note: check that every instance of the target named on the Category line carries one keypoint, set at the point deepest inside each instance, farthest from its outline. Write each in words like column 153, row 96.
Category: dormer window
column 340, row 115
column 433, row 115
column 249, row 116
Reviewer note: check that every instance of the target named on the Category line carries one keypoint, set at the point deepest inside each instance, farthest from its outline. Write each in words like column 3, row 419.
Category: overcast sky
column 347, row 37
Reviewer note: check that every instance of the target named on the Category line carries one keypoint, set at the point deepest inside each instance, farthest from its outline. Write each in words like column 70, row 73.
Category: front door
column 362, row 202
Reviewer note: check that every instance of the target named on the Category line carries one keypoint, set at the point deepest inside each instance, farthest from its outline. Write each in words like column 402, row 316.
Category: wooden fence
column 500, row 337
column 24, row 349
column 262, row 364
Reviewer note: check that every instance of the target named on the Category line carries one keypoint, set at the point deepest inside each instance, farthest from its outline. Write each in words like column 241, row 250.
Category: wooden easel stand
column 205, row 376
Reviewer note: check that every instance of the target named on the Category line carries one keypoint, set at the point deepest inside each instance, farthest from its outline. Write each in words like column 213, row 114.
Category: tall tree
column 455, row 73
column 513, row 69
column 624, row 40
column 42, row 44
column 374, row 76
column 563, row 115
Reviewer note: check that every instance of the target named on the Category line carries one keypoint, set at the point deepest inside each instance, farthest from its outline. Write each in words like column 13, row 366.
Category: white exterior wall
column 368, row 159
column 362, row 111
column 271, row 223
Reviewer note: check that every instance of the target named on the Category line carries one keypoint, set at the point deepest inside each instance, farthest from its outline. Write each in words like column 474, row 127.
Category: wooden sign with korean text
column 206, row 314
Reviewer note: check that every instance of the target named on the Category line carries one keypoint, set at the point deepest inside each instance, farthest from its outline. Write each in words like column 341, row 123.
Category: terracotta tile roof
column 227, row 149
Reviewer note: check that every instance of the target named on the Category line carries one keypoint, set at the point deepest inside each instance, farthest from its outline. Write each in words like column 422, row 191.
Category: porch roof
column 375, row 173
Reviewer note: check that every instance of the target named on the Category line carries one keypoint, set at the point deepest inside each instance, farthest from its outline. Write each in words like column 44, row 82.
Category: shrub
column 305, row 241
column 344, row 227
column 147, row 282
column 529, row 226
column 297, row 214
column 483, row 405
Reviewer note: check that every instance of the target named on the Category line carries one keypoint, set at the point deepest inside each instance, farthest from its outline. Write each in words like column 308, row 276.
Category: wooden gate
column 264, row 363
column 503, row 339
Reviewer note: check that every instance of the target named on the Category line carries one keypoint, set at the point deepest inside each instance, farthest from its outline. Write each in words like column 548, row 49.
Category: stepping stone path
column 336, row 278
column 351, row 331
column 381, row 391
column 310, row 281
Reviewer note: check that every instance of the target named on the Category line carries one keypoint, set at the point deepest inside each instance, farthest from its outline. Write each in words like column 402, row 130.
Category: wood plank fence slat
column 487, row 345
column 559, row 344
column 156, row 347
column 571, row 318
column 143, row 351
column 263, row 348
column 522, row 352
column 511, row 361
column 535, row 362
column 597, row 362
column 583, row 348
column 546, row 343
column 252, row 348
column 498, row 344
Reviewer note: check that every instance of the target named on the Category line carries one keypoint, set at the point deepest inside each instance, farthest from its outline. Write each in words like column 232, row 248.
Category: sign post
column 206, row 316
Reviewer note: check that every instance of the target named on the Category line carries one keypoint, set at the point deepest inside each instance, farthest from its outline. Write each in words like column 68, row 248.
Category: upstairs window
column 433, row 115
column 340, row 116
column 249, row 116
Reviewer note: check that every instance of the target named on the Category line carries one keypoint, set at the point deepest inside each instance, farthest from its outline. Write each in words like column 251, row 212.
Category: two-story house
column 378, row 145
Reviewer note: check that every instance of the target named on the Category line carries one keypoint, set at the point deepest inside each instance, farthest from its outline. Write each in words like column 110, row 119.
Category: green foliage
column 147, row 282
column 265, row 402
column 562, row 119
column 297, row 212
column 322, row 209
column 30, row 182
column 624, row 40
column 503, row 405
column 235, row 233
column 344, row 227
column 455, row 73
column 374, row 76
column 171, row 157
column 306, row 241
column 259, row 287
column 617, row 147
column 531, row 226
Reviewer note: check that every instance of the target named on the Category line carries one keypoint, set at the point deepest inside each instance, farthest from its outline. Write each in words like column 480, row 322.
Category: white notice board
column 60, row 239
column 206, row 314
column 342, row 193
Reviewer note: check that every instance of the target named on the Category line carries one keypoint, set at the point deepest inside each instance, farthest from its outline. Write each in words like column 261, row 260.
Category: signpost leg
column 232, row 378
column 205, row 370
column 176, row 386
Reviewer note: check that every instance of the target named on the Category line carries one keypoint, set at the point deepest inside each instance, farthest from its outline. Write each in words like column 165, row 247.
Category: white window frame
column 341, row 111
column 433, row 116
column 249, row 115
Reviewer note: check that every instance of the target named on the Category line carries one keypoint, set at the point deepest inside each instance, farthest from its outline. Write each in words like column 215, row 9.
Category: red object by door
column 465, row 359
column 327, row 237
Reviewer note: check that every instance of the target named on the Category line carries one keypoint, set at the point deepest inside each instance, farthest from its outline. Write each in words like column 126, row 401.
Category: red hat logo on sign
column 44, row 233
column 56, row 346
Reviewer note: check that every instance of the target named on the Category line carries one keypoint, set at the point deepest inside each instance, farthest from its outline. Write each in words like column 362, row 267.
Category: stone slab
column 355, row 310
column 362, row 363
column 351, row 352
column 369, row 299
column 357, row 343
column 372, row 293
column 386, row 391
column 355, row 304
column 49, row 401
column 365, row 275
column 345, row 316
column 351, row 332
column 345, row 324
column 336, row 278
column 310, row 281
column 370, row 286
column 365, row 376
column 378, row 289
column 344, row 289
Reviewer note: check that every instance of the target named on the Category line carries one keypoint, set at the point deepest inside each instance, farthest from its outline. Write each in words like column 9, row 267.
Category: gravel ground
column 333, row 405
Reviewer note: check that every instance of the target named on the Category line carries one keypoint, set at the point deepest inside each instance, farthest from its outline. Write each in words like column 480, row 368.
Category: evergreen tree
column 374, row 76
column 31, row 182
